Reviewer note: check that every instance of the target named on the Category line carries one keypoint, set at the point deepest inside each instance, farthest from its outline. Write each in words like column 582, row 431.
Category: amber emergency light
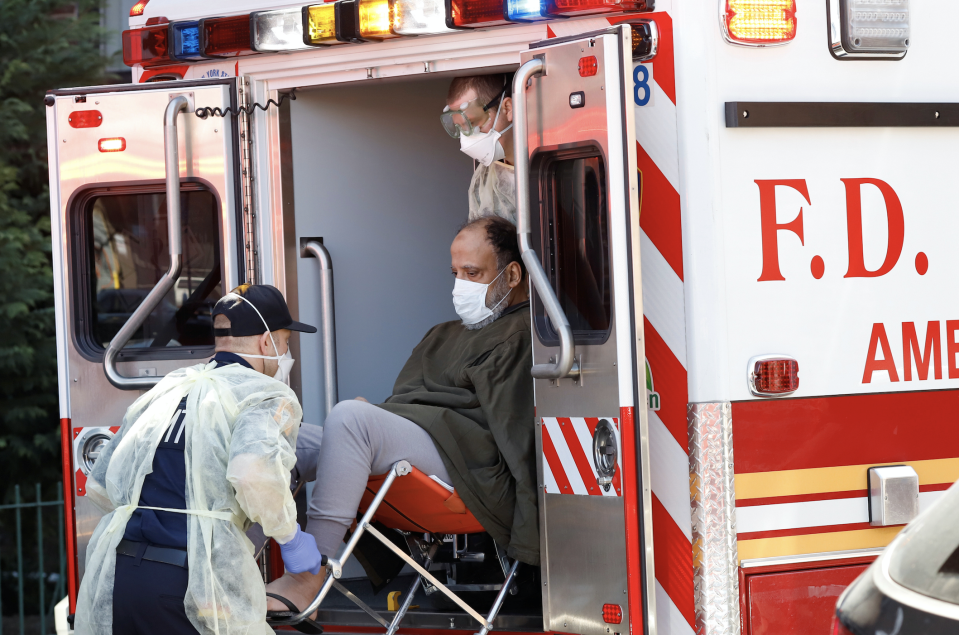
column 759, row 22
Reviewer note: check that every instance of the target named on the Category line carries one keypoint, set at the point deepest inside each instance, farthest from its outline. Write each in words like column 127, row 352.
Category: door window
column 574, row 242
column 127, row 252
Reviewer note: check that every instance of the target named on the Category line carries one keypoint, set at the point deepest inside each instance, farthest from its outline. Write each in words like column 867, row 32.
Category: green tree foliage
column 44, row 44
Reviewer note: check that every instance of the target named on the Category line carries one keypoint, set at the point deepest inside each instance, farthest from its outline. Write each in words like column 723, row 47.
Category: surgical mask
column 469, row 300
column 284, row 362
column 485, row 147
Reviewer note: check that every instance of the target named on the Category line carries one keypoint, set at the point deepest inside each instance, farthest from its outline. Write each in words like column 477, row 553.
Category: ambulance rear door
column 579, row 231
column 109, row 148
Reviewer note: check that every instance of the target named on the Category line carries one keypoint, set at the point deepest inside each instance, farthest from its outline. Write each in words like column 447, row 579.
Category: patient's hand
column 363, row 399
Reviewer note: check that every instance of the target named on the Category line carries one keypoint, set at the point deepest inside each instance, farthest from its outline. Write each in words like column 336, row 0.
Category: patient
column 461, row 409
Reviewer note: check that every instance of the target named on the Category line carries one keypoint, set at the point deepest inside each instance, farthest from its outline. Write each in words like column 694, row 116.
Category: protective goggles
column 469, row 117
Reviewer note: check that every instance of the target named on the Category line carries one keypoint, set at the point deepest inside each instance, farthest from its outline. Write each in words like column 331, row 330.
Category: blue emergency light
column 186, row 41
column 526, row 10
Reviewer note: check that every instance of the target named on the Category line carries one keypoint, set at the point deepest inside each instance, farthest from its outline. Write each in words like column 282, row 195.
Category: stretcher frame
column 334, row 570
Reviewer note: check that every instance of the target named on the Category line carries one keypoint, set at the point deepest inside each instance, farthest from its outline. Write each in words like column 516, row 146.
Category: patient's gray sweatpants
column 358, row 440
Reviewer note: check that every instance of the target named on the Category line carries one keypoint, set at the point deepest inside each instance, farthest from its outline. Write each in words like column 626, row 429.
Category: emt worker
column 479, row 112
column 461, row 410
column 200, row 457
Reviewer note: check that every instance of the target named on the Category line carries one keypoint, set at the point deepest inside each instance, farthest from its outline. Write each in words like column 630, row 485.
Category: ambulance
column 739, row 217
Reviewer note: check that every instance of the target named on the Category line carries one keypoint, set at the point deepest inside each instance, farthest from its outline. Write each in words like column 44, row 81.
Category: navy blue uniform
column 148, row 596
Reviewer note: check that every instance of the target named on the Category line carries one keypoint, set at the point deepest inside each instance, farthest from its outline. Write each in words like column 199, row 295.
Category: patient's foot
column 298, row 588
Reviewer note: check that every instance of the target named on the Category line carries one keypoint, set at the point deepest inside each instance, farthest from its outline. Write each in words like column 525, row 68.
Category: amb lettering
column 922, row 358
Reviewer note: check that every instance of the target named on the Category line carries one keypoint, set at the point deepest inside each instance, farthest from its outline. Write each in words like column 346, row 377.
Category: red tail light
column 475, row 13
column 137, row 9
column 773, row 375
column 759, row 22
column 112, row 144
column 85, row 119
column 149, row 46
column 226, row 37
column 612, row 614
column 588, row 66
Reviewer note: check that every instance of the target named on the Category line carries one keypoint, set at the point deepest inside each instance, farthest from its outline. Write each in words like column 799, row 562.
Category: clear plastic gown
column 241, row 429
column 493, row 192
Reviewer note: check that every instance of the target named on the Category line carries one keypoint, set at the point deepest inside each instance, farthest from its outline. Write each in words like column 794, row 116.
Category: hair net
column 241, row 429
column 493, row 192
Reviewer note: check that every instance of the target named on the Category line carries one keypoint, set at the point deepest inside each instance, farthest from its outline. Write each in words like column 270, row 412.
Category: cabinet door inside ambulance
column 581, row 245
column 112, row 247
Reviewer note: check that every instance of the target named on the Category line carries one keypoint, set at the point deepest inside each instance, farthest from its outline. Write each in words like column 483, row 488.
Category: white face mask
column 284, row 362
column 469, row 300
column 485, row 146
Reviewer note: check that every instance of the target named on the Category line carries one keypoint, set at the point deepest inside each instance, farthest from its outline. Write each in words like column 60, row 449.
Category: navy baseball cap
column 244, row 320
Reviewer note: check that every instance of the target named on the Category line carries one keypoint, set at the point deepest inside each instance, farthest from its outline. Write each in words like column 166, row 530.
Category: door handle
column 565, row 365
column 327, row 324
column 171, row 155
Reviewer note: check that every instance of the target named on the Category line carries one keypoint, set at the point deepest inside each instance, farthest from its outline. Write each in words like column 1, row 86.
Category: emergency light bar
column 225, row 37
column 759, row 22
column 420, row 17
column 475, row 13
column 148, row 46
column 526, row 10
column 280, row 30
column 587, row 7
column 344, row 21
column 185, row 41
column 374, row 19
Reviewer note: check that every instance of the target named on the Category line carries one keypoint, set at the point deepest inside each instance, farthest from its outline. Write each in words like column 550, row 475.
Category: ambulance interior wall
column 377, row 178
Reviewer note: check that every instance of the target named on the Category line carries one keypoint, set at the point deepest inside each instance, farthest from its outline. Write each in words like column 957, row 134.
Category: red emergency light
column 759, row 22
column 85, row 119
column 225, row 37
column 149, row 46
column 138, row 9
column 612, row 614
column 587, row 7
column 475, row 13
column 773, row 375
column 112, row 144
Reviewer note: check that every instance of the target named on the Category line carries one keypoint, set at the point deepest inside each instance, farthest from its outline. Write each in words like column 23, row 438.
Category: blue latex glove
column 300, row 554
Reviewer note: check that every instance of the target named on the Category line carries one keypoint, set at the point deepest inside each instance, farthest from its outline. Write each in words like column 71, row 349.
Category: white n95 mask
column 284, row 362
column 469, row 300
column 485, row 146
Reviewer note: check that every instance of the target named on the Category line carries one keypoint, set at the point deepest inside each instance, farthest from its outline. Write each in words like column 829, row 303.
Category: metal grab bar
column 327, row 323
column 172, row 160
column 565, row 365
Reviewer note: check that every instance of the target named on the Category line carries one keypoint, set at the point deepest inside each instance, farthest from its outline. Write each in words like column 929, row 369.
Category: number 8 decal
column 641, row 83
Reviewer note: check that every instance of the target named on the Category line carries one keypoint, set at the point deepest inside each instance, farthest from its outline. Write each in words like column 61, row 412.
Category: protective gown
column 492, row 192
column 241, row 429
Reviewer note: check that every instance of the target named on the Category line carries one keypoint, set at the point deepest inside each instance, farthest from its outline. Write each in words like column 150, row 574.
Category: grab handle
column 170, row 150
column 565, row 365
column 327, row 324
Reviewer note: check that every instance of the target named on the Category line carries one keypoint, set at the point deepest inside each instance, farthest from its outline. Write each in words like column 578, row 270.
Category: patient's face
column 473, row 257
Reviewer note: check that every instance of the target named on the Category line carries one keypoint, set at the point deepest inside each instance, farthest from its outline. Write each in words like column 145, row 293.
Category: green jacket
column 472, row 391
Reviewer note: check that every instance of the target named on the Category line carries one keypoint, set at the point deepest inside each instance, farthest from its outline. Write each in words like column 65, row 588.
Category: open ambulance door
column 134, row 284
column 579, row 233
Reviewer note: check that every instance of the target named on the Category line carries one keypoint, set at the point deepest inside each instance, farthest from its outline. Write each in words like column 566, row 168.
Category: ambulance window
column 127, row 252
column 574, row 238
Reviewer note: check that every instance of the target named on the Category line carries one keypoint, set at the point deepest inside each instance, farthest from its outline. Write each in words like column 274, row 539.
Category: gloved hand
column 300, row 554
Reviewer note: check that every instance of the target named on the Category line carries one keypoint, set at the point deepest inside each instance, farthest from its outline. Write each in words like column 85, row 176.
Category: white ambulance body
column 745, row 208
